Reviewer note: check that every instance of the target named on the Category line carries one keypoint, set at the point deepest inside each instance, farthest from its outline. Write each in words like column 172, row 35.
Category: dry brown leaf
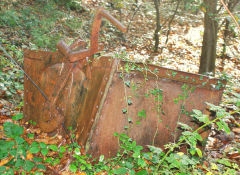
column 69, row 173
column 6, row 160
column 237, row 89
column 4, row 119
column 29, row 156
column 236, row 130
column 234, row 156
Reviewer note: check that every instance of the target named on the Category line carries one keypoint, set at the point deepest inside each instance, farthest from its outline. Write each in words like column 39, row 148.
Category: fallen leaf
column 6, row 160
column 29, row 156
column 236, row 130
column 234, row 156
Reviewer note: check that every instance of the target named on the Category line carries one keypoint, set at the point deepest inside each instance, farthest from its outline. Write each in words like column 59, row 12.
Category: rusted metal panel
column 95, row 87
column 36, row 62
column 159, row 126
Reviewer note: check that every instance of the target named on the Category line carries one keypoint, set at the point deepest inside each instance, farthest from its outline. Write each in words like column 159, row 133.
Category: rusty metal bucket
column 101, row 96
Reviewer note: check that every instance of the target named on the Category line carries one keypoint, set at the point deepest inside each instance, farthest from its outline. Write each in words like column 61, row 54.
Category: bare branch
column 230, row 13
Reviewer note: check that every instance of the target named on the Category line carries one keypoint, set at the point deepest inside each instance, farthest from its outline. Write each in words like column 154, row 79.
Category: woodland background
column 173, row 40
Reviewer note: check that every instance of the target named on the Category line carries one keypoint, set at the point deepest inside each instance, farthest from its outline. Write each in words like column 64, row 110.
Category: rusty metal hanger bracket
column 78, row 55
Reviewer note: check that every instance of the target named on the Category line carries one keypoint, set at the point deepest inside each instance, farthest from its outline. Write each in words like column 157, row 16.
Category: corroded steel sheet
column 160, row 98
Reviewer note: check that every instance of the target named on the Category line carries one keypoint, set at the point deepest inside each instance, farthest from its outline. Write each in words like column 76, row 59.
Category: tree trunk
column 158, row 25
column 208, row 55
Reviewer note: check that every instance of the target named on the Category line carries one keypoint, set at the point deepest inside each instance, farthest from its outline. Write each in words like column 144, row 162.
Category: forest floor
column 181, row 52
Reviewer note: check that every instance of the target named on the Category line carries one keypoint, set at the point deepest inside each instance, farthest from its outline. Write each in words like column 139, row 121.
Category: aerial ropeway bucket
column 98, row 97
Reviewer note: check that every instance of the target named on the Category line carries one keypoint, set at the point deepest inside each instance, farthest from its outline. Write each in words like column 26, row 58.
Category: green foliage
column 191, row 138
column 15, row 150
column 158, row 94
column 11, row 78
column 186, row 91
column 11, row 81
column 75, row 5
column 142, row 114
column 9, row 18
column 124, row 110
column 43, row 29
column 130, row 159
column 192, row 5
column 12, row 130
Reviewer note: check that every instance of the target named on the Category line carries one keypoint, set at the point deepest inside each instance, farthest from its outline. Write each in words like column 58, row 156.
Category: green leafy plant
column 129, row 156
column 11, row 78
column 18, row 155
column 11, row 82
column 80, row 161
column 191, row 138
column 14, row 151
column 9, row 18
column 186, row 91
column 42, row 29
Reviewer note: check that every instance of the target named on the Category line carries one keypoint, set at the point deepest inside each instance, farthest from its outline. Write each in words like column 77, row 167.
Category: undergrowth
column 20, row 153
column 44, row 23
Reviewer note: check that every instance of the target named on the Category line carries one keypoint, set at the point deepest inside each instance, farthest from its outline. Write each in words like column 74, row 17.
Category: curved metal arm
column 83, row 53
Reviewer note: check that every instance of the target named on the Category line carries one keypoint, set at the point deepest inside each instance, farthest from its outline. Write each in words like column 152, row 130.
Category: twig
column 135, row 12
column 230, row 13
column 170, row 22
